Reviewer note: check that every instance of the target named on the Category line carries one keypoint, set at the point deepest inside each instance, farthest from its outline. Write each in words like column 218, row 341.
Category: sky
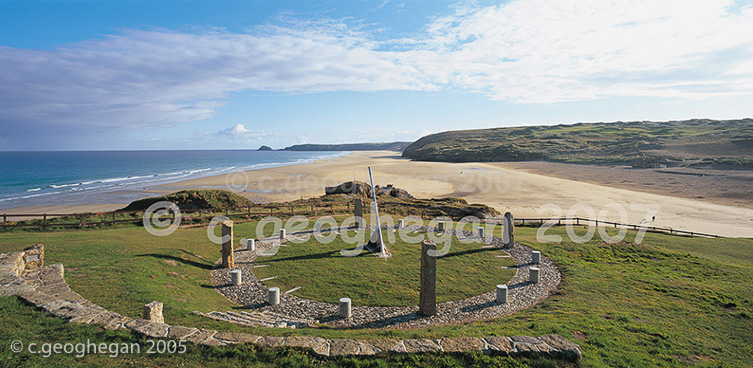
column 138, row 74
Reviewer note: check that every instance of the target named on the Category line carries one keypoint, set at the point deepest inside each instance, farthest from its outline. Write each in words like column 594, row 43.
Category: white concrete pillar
column 501, row 294
column 400, row 223
column 440, row 226
column 274, row 296
column 235, row 277
column 345, row 308
column 536, row 257
column 282, row 234
column 251, row 244
column 534, row 275
column 481, row 232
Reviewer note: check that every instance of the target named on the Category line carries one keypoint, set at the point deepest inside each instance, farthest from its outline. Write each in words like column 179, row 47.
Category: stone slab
column 462, row 344
column 421, row 346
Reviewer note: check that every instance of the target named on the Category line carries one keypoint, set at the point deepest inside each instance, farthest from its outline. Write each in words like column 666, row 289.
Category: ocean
column 83, row 177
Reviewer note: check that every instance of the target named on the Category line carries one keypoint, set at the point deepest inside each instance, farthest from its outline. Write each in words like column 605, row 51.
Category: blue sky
column 239, row 74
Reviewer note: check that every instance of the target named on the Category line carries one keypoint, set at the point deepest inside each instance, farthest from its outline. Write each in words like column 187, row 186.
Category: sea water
column 84, row 177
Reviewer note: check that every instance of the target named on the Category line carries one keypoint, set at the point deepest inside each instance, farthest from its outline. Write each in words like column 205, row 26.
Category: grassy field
column 668, row 302
column 324, row 274
column 720, row 143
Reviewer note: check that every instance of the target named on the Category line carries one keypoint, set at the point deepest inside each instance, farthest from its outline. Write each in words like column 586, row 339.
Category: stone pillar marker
column 535, row 257
column 534, row 275
column 440, row 226
column 34, row 256
column 282, row 234
column 345, row 308
column 481, row 232
column 153, row 312
column 501, row 294
column 400, row 223
column 508, row 231
column 228, row 260
column 358, row 212
column 235, row 277
column 274, row 296
column 251, row 244
column 427, row 302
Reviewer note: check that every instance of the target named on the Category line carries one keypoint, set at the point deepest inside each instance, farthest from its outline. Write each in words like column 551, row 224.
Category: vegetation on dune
column 723, row 143
column 194, row 199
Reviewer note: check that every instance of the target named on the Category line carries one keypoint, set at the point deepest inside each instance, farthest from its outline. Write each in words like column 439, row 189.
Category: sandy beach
column 507, row 187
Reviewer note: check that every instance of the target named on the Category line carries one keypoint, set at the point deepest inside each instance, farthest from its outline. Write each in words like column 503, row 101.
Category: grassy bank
column 701, row 143
column 667, row 302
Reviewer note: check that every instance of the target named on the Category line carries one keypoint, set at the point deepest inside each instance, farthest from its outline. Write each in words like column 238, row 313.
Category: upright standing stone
column 400, row 223
column 534, row 275
column 440, row 226
column 274, row 296
column 536, row 257
column 427, row 302
column 153, row 312
column 282, row 234
column 235, row 277
column 251, row 244
column 501, row 294
column 481, row 232
column 228, row 260
column 358, row 213
column 508, row 238
column 345, row 308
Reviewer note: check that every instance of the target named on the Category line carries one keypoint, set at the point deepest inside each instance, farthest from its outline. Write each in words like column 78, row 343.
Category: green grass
column 727, row 143
column 663, row 303
column 324, row 274
column 23, row 323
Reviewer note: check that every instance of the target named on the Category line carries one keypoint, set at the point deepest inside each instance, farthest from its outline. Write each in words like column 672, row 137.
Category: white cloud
column 542, row 51
column 532, row 51
column 240, row 133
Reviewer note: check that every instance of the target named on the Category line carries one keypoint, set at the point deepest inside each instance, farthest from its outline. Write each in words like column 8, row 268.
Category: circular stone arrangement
column 522, row 294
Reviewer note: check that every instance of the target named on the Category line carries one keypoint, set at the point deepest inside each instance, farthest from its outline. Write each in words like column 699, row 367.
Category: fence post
column 113, row 218
column 249, row 211
column 577, row 220
column 44, row 221
column 292, row 210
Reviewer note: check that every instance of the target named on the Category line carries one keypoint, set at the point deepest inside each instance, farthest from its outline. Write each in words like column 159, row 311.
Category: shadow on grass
column 177, row 259
column 332, row 254
column 469, row 251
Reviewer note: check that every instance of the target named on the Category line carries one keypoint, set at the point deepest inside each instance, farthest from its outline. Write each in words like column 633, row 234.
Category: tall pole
column 376, row 212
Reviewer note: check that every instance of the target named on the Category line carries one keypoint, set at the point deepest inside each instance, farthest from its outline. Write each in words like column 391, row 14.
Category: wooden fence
column 577, row 221
column 105, row 218
column 111, row 218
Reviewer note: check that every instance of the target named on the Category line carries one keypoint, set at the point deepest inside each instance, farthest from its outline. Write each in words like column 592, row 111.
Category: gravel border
column 521, row 294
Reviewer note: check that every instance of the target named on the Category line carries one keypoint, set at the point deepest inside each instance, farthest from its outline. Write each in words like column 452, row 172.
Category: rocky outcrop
column 355, row 187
